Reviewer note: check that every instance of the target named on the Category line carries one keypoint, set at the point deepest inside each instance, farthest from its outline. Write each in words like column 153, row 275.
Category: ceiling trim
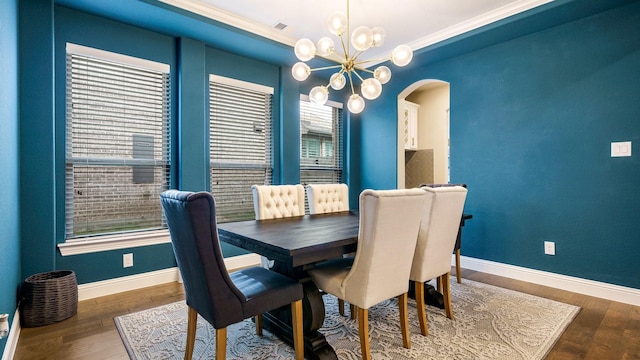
column 226, row 17
column 477, row 22
column 234, row 20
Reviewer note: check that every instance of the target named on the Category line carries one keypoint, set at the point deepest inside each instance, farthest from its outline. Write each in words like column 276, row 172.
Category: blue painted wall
column 9, row 162
column 532, row 120
column 532, row 117
column 191, row 62
column 37, row 206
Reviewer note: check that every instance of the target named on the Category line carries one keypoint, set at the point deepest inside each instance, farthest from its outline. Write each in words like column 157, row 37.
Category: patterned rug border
column 524, row 341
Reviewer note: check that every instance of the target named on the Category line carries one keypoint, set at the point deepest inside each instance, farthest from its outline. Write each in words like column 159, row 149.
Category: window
column 239, row 144
column 117, row 142
column 321, row 142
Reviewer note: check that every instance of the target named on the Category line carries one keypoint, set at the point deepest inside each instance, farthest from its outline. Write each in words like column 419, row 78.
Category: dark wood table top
column 295, row 241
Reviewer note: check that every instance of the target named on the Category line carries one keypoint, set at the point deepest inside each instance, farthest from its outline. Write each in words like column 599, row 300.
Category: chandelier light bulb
column 338, row 81
column 362, row 38
column 371, row 88
column 383, row 74
column 378, row 36
column 401, row 55
column 300, row 71
column 355, row 104
column 304, row 49
column 319, row 95
column 325, row 46
column 337, row 23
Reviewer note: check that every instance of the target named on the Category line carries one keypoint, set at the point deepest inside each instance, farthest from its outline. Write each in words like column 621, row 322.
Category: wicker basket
column 48, row 298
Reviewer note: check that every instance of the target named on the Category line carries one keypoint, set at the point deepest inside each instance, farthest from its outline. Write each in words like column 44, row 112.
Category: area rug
column 489, row 323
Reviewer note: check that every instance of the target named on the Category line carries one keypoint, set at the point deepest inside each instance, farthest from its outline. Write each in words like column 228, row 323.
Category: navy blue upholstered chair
column 220, row 297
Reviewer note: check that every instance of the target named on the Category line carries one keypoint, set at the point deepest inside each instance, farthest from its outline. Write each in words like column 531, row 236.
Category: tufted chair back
column 436, row 240
column 389, row 225
column 438, row 232
column 327, row 198
column 278, row 201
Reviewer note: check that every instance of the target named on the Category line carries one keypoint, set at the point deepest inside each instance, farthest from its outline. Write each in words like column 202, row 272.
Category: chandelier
column 350, row 67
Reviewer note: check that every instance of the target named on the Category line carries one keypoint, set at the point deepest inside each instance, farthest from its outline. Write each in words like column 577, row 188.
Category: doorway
column 423, row 156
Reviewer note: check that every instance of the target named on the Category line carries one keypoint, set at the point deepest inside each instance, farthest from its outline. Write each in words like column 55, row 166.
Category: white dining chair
column 436, row 240
column 389, row 225
column 277, row 201
column 327, row 198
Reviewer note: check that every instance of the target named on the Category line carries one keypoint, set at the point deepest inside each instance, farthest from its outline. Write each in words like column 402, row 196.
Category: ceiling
column 417, row 23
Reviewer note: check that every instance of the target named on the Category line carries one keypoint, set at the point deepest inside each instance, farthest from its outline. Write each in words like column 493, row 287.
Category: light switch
column 622, row 148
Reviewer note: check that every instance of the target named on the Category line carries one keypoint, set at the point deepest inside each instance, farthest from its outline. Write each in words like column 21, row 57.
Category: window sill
column 113, row 242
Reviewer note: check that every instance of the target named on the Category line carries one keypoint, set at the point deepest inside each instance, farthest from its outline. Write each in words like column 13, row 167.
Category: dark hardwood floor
column 603, row 330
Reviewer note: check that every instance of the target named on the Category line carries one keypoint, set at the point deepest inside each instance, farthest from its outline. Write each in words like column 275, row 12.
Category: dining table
column 295, row 244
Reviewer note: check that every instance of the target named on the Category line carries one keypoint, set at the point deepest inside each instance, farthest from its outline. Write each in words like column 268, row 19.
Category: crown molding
column 477, row 22
column 226, row 17
column 234, row 20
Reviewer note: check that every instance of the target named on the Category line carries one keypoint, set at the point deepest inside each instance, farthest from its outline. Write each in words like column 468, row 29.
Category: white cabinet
column 410, row 121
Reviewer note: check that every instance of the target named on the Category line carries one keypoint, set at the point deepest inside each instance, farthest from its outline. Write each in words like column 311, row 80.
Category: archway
column 426, row 160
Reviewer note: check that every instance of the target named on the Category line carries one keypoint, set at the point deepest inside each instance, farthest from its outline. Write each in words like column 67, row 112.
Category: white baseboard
column 133, row 282
column 598, row 289
column 578, row 285
column 12, row 340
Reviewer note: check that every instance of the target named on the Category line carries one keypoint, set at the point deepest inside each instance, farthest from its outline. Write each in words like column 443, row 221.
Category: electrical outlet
column 127, row 260
column 549, row 248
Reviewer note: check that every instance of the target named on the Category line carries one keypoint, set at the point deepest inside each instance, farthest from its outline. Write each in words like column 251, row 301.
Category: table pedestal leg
column 278, row 321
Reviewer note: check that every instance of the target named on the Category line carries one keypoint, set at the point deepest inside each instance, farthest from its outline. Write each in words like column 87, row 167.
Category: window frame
column 124, row 239
column 250, row 159
column 338, row 151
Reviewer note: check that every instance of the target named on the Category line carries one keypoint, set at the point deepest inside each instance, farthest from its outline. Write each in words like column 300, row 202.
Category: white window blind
column 239, row 144
column 321, row 143
column 117, row 142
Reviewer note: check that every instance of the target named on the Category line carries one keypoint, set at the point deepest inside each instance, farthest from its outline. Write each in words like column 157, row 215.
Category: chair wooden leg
column 422, row 314
column 439, row 284
column 404, row 320
column 296, row 319
column 446, row 292
column 363, row 328
column 221, row 344
column 354, row 311
column 259, row 325
column 192, row 322
column 341, row 307
column 458, row 275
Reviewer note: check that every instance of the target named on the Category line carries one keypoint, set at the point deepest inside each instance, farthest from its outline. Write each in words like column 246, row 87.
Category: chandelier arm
column 351, row 83
column 345, row 48
column 334, row 56
column 372, row 60
column 358, row 75
column 356, row 55
column 326, row 67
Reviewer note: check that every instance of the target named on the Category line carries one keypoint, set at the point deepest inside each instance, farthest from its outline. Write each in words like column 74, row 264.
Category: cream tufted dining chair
column 436, row 240
column 327, row 198
column 277, row 201
column 389, row 225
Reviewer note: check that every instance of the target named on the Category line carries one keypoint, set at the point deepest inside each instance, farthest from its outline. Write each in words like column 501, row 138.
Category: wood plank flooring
column 603, row 330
